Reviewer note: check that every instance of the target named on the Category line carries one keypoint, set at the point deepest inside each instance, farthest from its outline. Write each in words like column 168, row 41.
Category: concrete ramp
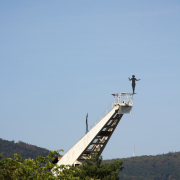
column 99, row 134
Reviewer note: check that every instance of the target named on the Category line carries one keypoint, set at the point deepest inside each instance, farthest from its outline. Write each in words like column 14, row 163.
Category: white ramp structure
column 99, row 134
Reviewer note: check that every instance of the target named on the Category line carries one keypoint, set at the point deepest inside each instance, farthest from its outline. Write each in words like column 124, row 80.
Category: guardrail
column 118, row 98
column 108, row 109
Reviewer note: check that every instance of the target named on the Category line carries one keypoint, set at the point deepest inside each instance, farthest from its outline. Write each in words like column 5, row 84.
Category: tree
column 95, row 168
column 16, row 168
column 43, row 168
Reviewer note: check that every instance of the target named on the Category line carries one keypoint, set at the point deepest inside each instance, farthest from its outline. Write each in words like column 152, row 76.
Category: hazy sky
column 60, row 60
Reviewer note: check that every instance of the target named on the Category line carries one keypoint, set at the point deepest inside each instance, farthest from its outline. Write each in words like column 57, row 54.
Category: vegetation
column 9, row 148
column 163, row 167
column 160, row 167
column 95, row 168
column 43, row 168
column 39, row 169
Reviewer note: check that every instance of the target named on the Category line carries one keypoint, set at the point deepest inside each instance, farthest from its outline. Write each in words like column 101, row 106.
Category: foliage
column 9, row 148
column 30, row 169
column 159, row 167
column 43, row 168
column 16, row 168
column 95, row 168
column 164, row 167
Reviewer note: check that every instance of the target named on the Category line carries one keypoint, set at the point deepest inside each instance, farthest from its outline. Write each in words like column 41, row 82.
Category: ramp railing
column 108, row 109
column 118, row 98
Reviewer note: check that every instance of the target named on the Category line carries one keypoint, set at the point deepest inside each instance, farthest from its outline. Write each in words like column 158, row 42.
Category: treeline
column 93, row 168
column 159, row 167
column 9, row 148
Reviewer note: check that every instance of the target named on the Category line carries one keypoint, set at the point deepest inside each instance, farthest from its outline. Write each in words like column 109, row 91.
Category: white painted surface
column 73, row 154
column 123, row 103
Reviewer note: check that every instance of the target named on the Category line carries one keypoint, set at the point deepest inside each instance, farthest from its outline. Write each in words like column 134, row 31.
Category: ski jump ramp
column 99, row 134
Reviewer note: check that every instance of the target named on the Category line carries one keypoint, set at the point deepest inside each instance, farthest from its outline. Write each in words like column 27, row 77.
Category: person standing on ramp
column 133, row 79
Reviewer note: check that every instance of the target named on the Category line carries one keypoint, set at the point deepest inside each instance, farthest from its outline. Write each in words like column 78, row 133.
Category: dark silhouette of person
column 133, row 79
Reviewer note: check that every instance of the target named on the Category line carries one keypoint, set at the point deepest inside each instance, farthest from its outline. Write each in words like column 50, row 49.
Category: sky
column 60, row 60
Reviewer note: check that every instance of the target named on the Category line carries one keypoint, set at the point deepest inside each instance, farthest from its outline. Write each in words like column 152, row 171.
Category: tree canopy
column 95, row 168
column 9, row 148
column 162, row 167
column 43, row 168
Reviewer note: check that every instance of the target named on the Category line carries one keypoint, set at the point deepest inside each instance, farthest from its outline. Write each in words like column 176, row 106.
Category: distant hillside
column 9, row 148
column 159, row 167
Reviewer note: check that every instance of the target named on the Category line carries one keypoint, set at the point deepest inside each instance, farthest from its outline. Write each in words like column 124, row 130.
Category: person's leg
column 133, row 87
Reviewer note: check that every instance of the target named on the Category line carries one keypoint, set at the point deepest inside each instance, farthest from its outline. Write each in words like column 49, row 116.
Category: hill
column 9, row 148
column 159, row 167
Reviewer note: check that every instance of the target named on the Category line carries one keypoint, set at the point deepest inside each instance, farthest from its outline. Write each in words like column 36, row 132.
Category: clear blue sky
column 60, row 60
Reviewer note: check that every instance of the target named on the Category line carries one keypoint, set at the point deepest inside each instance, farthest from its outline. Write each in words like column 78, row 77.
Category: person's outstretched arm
column 129, row 79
